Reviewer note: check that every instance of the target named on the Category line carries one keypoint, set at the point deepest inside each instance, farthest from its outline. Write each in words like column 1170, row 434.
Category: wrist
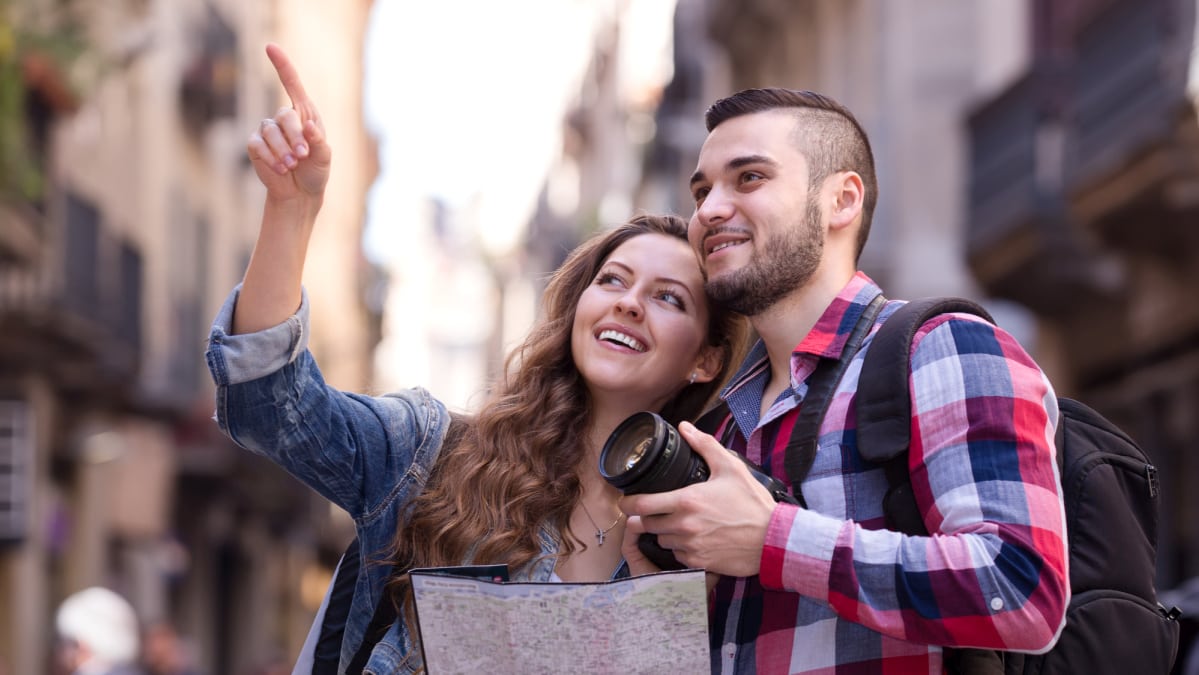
column 301, row 208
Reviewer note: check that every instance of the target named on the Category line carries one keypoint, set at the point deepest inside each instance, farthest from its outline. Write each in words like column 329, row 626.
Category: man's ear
column 848, row 197
column 710, row 363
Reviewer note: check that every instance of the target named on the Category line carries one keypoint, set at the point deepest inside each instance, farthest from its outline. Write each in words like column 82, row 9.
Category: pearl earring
column 693, row 376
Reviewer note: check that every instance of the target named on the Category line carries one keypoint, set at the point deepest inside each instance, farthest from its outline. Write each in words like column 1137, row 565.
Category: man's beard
column 779, row 266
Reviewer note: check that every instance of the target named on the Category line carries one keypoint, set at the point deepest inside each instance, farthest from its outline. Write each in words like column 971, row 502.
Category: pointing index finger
column 289, row 78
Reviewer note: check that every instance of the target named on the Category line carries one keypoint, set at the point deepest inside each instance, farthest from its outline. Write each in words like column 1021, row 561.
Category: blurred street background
column 1040, row 156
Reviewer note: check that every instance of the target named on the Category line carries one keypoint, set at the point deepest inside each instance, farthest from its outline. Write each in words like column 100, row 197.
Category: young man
column 784, row 191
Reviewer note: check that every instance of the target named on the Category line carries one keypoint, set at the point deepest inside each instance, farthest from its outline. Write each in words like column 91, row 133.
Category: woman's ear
column 710, row 363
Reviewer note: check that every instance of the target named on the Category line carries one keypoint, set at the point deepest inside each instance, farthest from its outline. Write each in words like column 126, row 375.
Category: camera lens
column 637, row 453
column 646, row 454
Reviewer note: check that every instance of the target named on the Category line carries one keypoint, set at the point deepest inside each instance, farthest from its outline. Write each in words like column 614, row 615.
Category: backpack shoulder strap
column 884, row 435
column 884, row 400
column 884, row 403
column 381, row 621
column 327, row 651
column 800, row 452
column 385, row 611
column 710, row 421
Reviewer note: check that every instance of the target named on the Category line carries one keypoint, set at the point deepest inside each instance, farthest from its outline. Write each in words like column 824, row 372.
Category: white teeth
column 724, row 246
column 617, row 336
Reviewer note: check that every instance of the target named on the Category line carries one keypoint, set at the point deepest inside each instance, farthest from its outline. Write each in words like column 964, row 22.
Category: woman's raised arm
column 292, row 159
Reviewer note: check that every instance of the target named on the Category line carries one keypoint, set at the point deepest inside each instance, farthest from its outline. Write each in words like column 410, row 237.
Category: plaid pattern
column 837, row 593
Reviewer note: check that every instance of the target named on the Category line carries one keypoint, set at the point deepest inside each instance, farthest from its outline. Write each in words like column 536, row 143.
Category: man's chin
column 737, row 293
column 728, row 293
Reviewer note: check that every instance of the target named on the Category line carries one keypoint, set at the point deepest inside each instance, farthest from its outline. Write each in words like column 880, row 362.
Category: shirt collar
column 826, row 339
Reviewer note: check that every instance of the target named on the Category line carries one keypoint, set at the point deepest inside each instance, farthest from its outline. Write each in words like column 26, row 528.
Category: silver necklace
column 601, row 533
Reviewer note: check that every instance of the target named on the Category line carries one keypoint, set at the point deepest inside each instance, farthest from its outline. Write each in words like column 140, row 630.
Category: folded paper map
column 657, row 623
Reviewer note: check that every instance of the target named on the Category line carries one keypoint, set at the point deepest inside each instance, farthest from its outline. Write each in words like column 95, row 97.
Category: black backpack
column 1114, row 623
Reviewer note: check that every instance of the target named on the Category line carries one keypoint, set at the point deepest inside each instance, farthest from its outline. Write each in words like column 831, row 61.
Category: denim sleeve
column 253, row 355
column 363, row 453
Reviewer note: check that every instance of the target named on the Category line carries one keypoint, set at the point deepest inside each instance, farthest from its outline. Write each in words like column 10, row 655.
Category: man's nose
column 716, row 208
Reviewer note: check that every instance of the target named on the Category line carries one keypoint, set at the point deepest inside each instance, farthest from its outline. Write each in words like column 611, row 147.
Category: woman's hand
column 292, row 160
column 288, row 151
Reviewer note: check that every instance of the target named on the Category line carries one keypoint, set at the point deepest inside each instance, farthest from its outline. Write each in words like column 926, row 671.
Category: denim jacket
column 369, row 455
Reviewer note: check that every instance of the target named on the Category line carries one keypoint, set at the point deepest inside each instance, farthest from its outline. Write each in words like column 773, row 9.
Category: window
column 16, row 458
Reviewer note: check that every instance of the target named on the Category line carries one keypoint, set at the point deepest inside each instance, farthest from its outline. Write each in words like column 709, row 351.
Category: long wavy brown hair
column 514, row 467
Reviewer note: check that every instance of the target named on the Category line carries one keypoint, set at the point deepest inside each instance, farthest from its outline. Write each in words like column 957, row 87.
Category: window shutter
column 16, row 470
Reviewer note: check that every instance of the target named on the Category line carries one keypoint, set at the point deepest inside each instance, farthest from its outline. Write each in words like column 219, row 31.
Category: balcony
column 20, row 237
column 1125, row 88
column 1018, row 241
column 72, row 304
column 1015, row 149
column 208, row 90
column 1099, row 135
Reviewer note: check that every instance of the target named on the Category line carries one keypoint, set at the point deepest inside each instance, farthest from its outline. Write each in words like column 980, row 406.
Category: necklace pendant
column 600, row 535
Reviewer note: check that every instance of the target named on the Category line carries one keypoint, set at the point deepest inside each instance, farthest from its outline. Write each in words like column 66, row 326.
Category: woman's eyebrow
column 675, row 282
column 658, row 280
column 617, row 263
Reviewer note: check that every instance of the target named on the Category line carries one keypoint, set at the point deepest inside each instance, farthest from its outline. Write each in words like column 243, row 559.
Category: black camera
column 647, row 454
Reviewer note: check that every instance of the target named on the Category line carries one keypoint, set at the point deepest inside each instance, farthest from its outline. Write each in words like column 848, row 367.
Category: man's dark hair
column 827, row 134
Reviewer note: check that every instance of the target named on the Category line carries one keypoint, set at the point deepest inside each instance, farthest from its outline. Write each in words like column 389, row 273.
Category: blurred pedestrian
column 164, row 651
column 98, row 634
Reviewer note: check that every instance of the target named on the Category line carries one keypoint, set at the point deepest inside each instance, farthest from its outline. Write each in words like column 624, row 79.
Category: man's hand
column 718, row 525
column 288, row 151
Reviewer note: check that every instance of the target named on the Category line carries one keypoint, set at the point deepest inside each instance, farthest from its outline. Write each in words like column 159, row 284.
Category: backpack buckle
column 1171, row 614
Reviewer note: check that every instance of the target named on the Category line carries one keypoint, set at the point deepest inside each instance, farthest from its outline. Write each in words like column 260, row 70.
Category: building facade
column 111, row 468
column 1082, row 206
column 1037, row 156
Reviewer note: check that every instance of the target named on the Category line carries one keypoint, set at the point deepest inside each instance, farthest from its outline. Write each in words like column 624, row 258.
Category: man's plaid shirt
column 837, row 593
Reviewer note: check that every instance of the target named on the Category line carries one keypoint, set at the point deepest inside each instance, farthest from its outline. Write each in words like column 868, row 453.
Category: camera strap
column 805, row 435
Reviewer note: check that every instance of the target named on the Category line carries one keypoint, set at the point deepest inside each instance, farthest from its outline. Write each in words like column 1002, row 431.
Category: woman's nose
column 630, row 304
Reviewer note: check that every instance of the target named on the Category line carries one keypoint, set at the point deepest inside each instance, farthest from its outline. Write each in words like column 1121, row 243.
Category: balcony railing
column 1126, row 87
column 1047, row 151
column 20, row 237
column 1015, row 150
column 76, row 305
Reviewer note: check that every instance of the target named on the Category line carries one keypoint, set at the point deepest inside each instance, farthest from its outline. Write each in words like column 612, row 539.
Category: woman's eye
column 672, row 298
column 606, row 278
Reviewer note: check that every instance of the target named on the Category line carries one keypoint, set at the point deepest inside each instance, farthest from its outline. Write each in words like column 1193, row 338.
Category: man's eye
column 699, row 194
column 750, row 176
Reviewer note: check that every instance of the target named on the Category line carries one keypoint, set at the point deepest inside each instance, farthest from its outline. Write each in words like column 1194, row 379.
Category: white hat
column 102, row 621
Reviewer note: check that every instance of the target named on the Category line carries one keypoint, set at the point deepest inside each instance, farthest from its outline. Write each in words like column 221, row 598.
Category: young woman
column 626, row 328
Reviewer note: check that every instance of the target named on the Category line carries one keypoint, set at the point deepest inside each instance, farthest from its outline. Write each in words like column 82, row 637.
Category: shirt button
column 996, row 604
